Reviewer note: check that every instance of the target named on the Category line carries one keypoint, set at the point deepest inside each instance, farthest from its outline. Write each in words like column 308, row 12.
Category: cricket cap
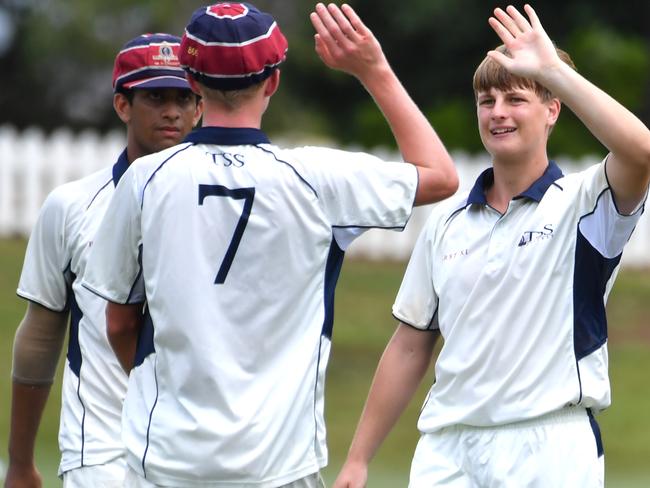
column 149, row 61
column 231, row 46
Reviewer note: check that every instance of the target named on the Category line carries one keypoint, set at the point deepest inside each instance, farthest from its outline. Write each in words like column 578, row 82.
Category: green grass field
column 362, row 327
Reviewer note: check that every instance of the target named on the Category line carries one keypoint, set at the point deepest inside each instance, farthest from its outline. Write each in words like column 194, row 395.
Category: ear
column 122, row 107
column 554, row 107
column 272, row 83
column 193, row 84
column 198, row 112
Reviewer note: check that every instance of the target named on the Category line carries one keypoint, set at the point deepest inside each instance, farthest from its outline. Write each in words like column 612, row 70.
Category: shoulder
column 581, row 187
column 151, row 162
column 77, row 194
column 442, row 212
column 327, row 155
column 592, row 171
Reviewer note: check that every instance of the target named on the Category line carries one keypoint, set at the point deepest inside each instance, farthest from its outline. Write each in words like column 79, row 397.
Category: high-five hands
column 532, row 51
column 343, row 42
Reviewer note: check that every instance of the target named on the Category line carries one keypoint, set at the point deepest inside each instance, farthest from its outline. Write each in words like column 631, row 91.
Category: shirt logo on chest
column 455, row 254
column 536, row 235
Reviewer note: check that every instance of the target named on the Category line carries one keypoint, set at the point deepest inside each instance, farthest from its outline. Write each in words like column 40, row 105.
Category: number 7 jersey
column 236, row 246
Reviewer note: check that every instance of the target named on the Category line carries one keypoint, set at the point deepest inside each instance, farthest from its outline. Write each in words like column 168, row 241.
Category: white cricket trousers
column 134, row 480
column 560, row 449
column 108, row 475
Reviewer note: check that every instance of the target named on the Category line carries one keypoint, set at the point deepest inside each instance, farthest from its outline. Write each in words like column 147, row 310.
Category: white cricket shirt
column 519, row 299
column 94, row 383
column 239, row 245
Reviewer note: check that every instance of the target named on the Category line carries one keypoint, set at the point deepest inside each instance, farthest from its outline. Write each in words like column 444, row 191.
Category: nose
column 171, row 109
column 498, row 109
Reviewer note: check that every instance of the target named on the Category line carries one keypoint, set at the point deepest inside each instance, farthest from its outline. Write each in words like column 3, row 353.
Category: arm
column 343, row 42
column 622, row 133
column 37, row 347
column 398, row 375
column 123, row 324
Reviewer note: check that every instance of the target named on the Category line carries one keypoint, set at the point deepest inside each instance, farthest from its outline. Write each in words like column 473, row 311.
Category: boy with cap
column 236, row 246
column 154, row 100
column 514, row 275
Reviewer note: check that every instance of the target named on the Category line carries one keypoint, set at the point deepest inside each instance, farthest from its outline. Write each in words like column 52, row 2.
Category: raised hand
column 344, row 43
column 532, row 51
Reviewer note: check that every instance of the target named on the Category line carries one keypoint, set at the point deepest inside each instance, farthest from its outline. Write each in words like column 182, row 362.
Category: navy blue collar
column 120, row 167
column 535, row 191
column 227, row 136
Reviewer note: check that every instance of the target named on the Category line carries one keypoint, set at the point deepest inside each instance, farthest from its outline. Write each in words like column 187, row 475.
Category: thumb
column 500, row 58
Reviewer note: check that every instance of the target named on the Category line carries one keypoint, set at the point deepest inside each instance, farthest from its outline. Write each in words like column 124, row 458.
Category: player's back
column 236, row 247
column 234, row 253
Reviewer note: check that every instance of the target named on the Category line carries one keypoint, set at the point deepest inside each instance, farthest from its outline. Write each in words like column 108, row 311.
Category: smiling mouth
column 498, row 132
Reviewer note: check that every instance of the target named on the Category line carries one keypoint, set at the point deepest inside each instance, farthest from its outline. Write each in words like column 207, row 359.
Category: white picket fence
column 32, row 164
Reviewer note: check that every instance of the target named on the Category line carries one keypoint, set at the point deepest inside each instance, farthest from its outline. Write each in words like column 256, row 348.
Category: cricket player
column 154, row 100
column 514, row 275
column 236, row 246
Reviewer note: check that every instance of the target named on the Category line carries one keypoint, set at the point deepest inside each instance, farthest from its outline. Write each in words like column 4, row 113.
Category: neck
column 132, row 152
column 512, row 178
column 232, row 119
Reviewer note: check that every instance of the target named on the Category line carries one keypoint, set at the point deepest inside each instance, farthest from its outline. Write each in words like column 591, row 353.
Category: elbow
column 434, row 186
column 452, row 183
column 646, row 153
column 116, row 329
column 123, row 320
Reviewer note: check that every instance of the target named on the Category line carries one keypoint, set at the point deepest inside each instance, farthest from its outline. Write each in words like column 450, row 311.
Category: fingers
column 512, row 21
column 321, row 49
column 343, row 23
column 521, row 22
column 504, row 34
column 318, row 24
column 332, row 25
column 506, row 21
column 325, row 43
column 354, row 20
column 532, row 15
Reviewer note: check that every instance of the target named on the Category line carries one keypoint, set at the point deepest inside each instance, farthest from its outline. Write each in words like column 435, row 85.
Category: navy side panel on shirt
column 591, row 273
column 332, row 271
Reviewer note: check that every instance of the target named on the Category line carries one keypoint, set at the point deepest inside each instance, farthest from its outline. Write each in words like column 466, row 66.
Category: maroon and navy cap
column 149, row 61
column 230, row 46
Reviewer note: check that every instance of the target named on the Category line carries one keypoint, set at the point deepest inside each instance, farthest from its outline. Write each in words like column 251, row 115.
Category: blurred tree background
column 57, row 58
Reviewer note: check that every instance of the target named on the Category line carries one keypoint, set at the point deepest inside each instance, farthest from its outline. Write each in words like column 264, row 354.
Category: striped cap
column 149, row 61
column 230, row 46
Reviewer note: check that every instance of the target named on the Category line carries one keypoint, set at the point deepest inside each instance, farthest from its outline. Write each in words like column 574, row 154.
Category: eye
column 185, row 97
column 486, row 102
column 154, row 95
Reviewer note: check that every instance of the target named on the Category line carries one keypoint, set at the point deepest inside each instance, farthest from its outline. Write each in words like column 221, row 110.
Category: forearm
column 27, row 405
column 399, row 373
column 123, row 324
column 344, row 42
column 618, row 129
column 36, row 350
column 418, row 142
column 124, row 346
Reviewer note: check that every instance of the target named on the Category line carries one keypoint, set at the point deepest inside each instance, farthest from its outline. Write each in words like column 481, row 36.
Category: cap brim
column 159, row 82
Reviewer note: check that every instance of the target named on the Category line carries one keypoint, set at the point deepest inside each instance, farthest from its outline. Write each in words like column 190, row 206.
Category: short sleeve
column 359, row 189
column 44, row 278
column 417, row 302
column 114, row 269
column 606, row 229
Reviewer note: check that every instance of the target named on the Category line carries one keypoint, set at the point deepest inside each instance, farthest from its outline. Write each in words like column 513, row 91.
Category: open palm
column 531, row 50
